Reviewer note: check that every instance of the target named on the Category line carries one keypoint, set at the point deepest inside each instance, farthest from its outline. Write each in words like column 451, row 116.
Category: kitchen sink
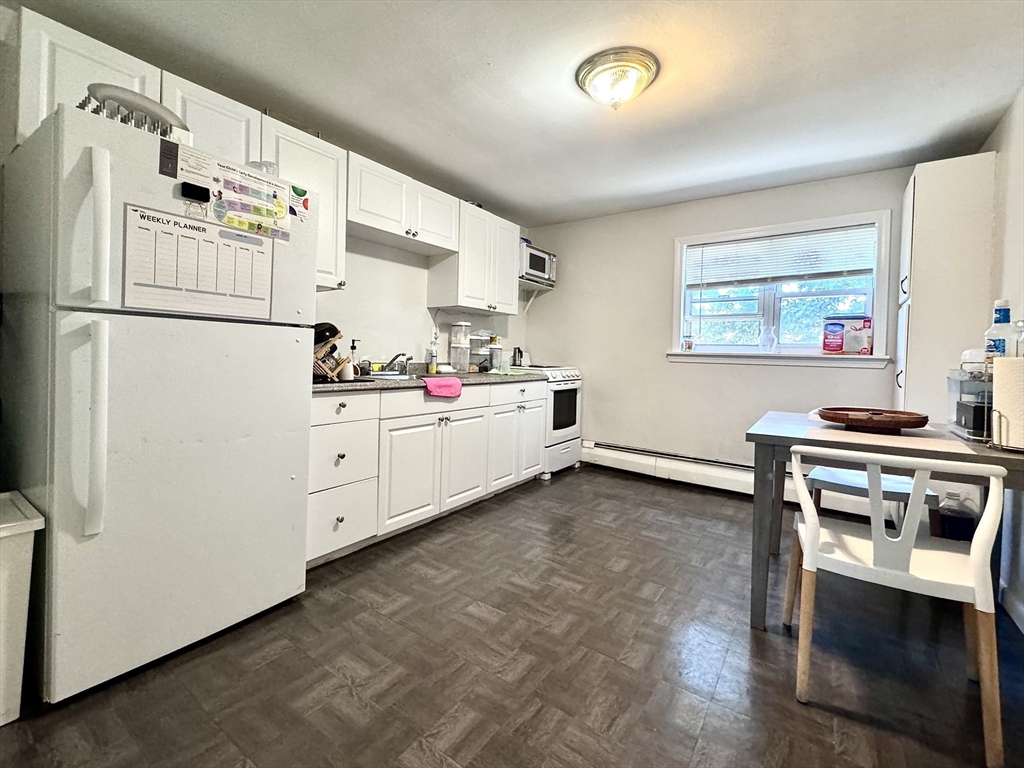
column 384, row 377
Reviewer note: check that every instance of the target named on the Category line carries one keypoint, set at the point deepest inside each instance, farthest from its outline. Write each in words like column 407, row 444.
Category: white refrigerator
column 155, row 361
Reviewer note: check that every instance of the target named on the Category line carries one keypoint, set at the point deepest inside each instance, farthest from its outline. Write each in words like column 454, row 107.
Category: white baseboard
column 735, row 479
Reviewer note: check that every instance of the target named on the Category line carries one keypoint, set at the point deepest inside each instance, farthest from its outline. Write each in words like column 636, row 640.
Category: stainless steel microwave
column 537, row 266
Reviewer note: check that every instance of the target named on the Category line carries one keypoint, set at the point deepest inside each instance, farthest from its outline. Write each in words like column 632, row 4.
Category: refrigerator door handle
column 100, row 224
column 99, row 377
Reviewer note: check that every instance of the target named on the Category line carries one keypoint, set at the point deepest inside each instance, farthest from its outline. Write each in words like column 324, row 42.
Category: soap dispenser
column 348, row 370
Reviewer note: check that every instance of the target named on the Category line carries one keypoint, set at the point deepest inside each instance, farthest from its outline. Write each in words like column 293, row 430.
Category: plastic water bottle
column 1001, row 335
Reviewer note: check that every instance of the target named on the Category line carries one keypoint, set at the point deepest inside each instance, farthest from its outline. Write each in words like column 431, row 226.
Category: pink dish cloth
column 448, row 386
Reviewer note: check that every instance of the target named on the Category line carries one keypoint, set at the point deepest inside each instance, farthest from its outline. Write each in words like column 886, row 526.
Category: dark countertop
column 468, row 379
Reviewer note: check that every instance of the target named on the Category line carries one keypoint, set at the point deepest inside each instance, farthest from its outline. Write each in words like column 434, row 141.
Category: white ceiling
column 479, row 98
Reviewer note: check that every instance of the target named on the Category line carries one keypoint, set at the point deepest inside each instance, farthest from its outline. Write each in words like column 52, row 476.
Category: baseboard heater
column 711, row 473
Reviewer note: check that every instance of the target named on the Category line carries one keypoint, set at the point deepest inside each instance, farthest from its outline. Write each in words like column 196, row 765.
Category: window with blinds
column 736, row 289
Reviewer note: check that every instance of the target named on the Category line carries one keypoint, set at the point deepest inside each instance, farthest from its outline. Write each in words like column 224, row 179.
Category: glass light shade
column 617, row 75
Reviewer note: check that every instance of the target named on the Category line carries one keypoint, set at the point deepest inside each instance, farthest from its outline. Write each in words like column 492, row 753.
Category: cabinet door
column 532, row 425
column 502, row 450
column 505, row 267
column 435, row 216
column 902, row 333
column 409, row 471
column 312, row 163
column 220, row 127
column 378, row 196
column 464, row 457
column 907, row 240
column 474, row 257
column 58, row 64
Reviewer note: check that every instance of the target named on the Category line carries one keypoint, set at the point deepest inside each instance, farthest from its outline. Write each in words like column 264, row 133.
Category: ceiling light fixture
column 617, row 75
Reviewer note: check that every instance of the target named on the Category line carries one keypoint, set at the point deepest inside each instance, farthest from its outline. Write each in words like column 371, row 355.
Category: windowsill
column 785, row 359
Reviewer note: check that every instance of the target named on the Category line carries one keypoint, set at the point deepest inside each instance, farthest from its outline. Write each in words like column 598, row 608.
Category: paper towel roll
column 1008, row 402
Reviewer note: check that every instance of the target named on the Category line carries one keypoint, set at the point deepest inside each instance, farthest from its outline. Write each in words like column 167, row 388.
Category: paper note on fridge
column 189, row 266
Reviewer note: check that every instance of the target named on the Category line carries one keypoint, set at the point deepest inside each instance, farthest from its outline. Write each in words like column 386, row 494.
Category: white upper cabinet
column 435, row 216
column 484, row 274
column 57, row 65
column 388, row 207
column 305, row 160
column 474, row 279
column 504, row 273
column 220, row 127
column 377, row 196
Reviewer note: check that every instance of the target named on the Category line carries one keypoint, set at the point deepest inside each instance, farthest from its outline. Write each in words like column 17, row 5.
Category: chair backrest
column 894, row 553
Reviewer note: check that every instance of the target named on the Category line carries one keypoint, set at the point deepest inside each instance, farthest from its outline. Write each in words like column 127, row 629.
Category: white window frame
column 769, row 299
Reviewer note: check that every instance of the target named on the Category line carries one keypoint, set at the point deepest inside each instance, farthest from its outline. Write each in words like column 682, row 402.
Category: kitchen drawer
column 342, row 453
column 416, row 402
column 335, row 407
column 340, row 516
column 503, row 394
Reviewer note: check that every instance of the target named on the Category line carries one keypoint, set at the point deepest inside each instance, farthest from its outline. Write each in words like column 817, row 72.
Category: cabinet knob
column 341, row 456
column 342, row 404
column 340, row 519
column 447, row 419
column 341, row 283
column 522, row 391
column 440, row 420
column 415, row 234
column 408, row 231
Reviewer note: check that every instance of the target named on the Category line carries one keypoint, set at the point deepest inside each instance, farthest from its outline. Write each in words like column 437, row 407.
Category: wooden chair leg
column 988, row 673
column 796, row 559
column 803, row 653
column 971, row 636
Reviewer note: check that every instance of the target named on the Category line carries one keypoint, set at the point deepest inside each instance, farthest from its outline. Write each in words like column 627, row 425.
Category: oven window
column 538, row 263
column 564, row 412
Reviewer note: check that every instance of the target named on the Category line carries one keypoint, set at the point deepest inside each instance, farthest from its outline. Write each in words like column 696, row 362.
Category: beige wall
column 612, row 316
column 1008, row 282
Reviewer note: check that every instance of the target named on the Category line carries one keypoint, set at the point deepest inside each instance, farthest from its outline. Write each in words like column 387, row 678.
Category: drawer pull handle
column 340, row 519
column 342, row 404
column 341, row 456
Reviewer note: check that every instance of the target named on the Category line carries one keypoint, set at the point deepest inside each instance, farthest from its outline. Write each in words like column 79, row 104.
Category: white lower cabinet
column 409, row 471
column 502, row 448
column 532, row 423
column 463, row 457
column 338, row 517
column 515, row 448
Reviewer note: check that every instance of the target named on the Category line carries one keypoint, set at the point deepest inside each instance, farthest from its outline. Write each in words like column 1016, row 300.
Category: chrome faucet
column 402, row 366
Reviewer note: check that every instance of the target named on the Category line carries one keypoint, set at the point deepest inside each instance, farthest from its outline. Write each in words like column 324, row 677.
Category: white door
column 58, row 64
column 179, row 496
column 907, row 240
column 474, row 257
column 435, row 216
column 902, row 335
column 464, row 457
column 220, row 127
column 502, row 448
column 532, row 427
column 505, row 267
column 378, row 196
column 314, row 164
column 409, row 482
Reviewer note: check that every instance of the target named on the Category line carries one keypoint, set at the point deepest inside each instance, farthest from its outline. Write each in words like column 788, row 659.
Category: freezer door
column 128, row 239
column 179, row 496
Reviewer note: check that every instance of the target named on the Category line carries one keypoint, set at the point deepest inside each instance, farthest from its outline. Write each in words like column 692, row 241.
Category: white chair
column 937, row 567
column 853, row 482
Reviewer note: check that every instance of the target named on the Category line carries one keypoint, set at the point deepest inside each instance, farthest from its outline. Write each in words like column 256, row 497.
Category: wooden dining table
column 777, row 432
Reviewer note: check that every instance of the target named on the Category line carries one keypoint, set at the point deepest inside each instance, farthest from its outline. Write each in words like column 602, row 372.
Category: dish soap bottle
column 1001, row 334
column 768, row 341
column 432, row 359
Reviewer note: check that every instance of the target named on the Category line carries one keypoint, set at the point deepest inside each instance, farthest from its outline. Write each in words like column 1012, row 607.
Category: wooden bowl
column 878, row 420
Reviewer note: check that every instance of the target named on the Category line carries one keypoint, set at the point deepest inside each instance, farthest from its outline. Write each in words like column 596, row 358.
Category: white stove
column 553, row 372
column 563, row 443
